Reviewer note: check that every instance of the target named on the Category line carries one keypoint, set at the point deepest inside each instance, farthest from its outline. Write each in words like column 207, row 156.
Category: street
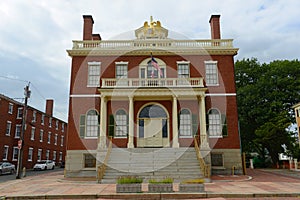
column 30, row 172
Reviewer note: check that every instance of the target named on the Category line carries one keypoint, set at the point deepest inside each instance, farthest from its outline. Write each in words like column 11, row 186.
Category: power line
column 14, row 79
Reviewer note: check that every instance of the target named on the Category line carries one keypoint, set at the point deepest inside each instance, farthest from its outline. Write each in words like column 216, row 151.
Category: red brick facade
column 33, row 142
column 220, row 97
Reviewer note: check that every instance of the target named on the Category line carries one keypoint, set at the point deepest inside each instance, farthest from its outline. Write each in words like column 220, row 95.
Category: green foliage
column 194, row 181
column 266, row 94
column 129, row 180
column 164, row 181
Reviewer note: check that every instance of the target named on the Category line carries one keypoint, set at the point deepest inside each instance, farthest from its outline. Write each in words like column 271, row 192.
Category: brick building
column 44, row 137
column 152, row 92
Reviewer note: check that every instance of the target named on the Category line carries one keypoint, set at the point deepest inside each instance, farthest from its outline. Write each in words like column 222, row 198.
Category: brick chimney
column 88, row 27
column 49, row 107
column 215, row 27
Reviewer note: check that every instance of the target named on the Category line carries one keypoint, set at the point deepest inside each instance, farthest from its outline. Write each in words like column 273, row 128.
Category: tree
column 266, row 94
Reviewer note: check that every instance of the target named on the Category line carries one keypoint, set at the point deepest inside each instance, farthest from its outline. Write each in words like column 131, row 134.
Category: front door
column 153, row 132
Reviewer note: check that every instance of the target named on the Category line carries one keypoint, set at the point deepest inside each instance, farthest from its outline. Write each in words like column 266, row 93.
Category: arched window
column 89, row 124
column 214, row 123
column 121, row 129
column 185, row 123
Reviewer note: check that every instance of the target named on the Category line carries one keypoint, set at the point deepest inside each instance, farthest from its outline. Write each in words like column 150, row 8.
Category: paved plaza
column 257, row 184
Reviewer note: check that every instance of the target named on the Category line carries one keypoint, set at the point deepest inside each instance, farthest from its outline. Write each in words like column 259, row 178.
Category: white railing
column 140, row 44
column 151, row 82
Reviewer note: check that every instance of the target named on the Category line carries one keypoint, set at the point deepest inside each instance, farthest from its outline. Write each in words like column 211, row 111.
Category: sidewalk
column 258, row 183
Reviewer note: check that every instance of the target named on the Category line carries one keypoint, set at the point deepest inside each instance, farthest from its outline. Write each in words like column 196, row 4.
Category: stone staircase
column 152, row 163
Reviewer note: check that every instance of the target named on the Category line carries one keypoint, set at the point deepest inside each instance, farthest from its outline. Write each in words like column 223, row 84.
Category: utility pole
column 27, row 93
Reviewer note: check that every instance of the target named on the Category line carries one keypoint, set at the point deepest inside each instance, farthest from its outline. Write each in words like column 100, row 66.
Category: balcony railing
column 151, row 82
column 159, row 44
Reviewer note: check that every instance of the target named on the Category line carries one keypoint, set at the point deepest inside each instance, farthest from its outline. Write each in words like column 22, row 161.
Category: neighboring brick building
column 119, row 90
column 44, row 137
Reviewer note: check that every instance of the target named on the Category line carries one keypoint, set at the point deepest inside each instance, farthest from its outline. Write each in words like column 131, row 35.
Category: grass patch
column 164, row 181
column 129, row 180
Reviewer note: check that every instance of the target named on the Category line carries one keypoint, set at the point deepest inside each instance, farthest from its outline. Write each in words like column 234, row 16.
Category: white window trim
column 55, row 139
column 41, row 138
column 6, row 147
column 30, row 148
column 121, row 63
column 34, row 116
column 43, row 119
column 8, row 122
column 62, row 140
column 191, row 125
column 18, row 125
column 212, row 62
column 93, row 63
column 13, row 159
column 20, row 108
column 216, row 136
column 10, row 105
column 41, row 156
column 49, row 137
column 184, row 62
column 32, row 138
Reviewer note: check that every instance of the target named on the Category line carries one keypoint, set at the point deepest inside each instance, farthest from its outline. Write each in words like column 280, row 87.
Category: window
column 183, row 69
column 32, row 133
column 60, row 156
column 121, row 69
column 63, row 127
column 54, row 156
column 48, row 155
column 89, row 124
column 217, row 160
column 62, row 140
column 30, row 153
column 50, row 122
column 20, row 113
column 34, row 116
column 211, row 73
column 8, row 128
column 185, row 123
column 43, row 119
column 94, row 74
column 121, row 129
column 214, row 123
column 18, row 130
column 49, row 137
column 55, row 139
column 15, row 153
column 89, row 160
column 10, row 108
column 56, row 124
column 40, row 151
column 41, row 135
column 5, row 152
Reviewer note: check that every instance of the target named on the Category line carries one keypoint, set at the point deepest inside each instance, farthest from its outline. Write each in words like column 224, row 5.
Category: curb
column 151, row 196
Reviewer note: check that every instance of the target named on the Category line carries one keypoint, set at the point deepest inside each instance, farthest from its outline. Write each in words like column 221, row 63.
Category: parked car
column 44, row 164
column 7, row 168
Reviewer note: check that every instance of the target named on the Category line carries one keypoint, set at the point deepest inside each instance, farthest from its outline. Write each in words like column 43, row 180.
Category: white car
column 44, row 164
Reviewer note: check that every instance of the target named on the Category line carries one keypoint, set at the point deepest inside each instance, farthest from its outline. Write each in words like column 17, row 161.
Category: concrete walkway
column 282, row 184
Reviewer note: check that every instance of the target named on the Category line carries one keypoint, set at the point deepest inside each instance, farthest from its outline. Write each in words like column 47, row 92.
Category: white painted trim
column 220, row 94
column 84, row 95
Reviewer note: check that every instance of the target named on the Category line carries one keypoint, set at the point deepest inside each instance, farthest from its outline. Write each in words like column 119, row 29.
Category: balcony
column 152, row 82
column 153, row 44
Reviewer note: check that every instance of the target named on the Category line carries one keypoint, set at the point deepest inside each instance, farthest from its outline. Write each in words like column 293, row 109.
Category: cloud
column 34, row 35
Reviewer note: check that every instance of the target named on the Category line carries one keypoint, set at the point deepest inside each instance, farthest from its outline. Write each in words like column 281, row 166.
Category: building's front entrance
column 153, row 132
column 153, row 128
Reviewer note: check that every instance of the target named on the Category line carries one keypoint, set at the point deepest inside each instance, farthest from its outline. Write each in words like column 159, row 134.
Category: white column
column 131, row 123
column 296, row 163
column 103, row 114
column 175, row 123
column 202, row 115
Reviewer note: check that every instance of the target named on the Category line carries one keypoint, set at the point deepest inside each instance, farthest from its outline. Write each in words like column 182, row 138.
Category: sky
column 34, row 35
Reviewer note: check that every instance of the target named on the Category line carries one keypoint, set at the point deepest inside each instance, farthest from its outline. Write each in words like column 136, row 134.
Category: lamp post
column 27, row 93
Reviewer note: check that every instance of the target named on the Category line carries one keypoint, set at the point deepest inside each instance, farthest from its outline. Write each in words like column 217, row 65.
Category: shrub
column 164, row 181
column 129, row 180
column 193, row 181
